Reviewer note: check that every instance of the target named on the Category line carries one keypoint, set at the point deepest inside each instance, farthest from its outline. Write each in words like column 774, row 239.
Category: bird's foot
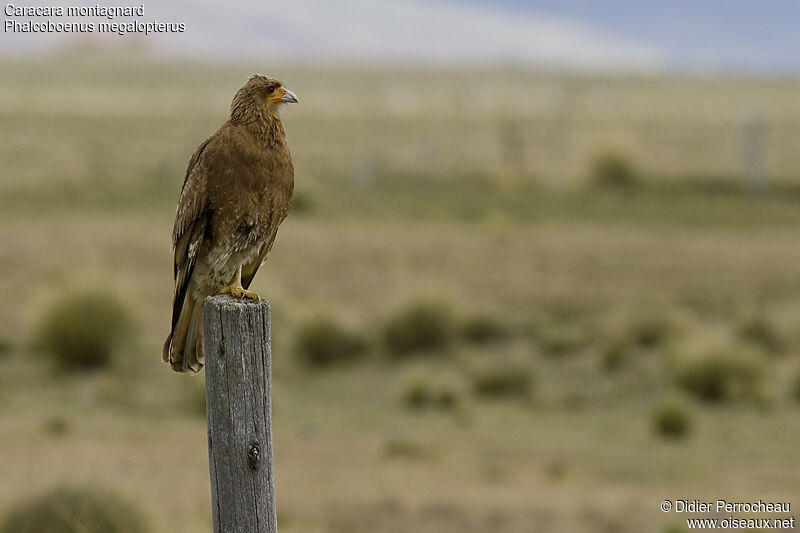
column 237, row 291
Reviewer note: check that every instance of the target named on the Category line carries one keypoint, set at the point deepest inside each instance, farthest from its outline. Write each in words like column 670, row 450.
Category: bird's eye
column 270, row 90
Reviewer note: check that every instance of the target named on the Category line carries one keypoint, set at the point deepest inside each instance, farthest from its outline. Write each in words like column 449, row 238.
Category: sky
column 738, row 35
column 602, row 35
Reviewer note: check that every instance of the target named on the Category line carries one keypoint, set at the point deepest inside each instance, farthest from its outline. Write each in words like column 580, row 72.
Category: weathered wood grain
column 239, row 411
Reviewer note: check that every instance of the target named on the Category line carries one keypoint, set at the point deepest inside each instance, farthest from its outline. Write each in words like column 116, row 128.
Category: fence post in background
column 239, row 411
column 754, row 149
column 560, row 149
column 512, row 143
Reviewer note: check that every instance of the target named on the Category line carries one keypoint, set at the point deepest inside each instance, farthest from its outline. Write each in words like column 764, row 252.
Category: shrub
column 483, row 329
column 563, row 339
column 671, row 420
column 321, row 342
column 614, row 352
column 429, row 389
column 651, row 331
column 422, row 326
column 761, row 332
column 721, row 377
column 612, row 170
column 557, row 468
column 302, row 202
column 646, row 332
column 795, row 386
column 567, row 308
column 82, row 329
column 5, row 347
column 410, row 449
column 503, row 377
column 56, row 426
column 69, row 510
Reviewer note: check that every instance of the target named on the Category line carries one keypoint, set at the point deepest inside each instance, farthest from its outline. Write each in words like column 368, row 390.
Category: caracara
column 237, row 191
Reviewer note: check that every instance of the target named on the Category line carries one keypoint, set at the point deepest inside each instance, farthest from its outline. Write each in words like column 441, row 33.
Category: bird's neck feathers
column 264, row 123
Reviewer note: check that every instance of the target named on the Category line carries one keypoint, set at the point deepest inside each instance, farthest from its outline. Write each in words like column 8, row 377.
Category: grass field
column 607, row 296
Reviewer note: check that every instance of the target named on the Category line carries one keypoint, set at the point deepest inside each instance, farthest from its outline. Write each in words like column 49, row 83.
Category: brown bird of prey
column 237, row 191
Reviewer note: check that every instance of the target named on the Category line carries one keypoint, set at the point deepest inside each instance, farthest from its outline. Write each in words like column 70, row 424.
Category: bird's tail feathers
column 183, row 349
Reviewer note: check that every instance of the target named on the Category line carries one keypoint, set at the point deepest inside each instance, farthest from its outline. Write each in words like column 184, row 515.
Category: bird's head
column 261, row 95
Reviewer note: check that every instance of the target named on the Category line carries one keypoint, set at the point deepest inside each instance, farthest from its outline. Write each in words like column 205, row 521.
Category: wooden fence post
column 754, row 149
column 239, row 411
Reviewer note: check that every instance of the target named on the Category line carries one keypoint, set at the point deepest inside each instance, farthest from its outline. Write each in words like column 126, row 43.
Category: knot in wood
column 254, row 456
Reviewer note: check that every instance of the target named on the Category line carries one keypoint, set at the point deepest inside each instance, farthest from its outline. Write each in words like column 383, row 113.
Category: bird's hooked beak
column 282, row 95
column 288, row 97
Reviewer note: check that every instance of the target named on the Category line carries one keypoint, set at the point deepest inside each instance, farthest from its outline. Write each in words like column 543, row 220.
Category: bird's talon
column 237, row 291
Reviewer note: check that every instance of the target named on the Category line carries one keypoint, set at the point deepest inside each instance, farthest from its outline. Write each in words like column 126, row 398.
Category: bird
column 236, row 192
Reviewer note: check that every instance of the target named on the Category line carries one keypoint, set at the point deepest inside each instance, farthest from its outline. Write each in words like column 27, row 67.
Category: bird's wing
column 249, row 270
column 191, row 219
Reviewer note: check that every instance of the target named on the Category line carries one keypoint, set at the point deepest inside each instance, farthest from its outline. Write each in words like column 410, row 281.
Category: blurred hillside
column 361, row 125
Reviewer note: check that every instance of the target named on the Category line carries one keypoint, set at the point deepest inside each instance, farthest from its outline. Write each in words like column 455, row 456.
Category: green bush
column 644, row 332
column 721, row 377
column 563, row 339
column 429, row 389
column 503, row 377
column 321, row 342
column 672, row 420
column 651, row 330
column 5, row 347
column 75, row 510
column 483, row 329
column 82, row 329
column 410, row 449
column 795, row 386
column 422, row 326
column 614, row 352
column 763, row 333
column 302, row 202
column 566, row 310
column 557, row 468
column 56, row 426
column 612, row 170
